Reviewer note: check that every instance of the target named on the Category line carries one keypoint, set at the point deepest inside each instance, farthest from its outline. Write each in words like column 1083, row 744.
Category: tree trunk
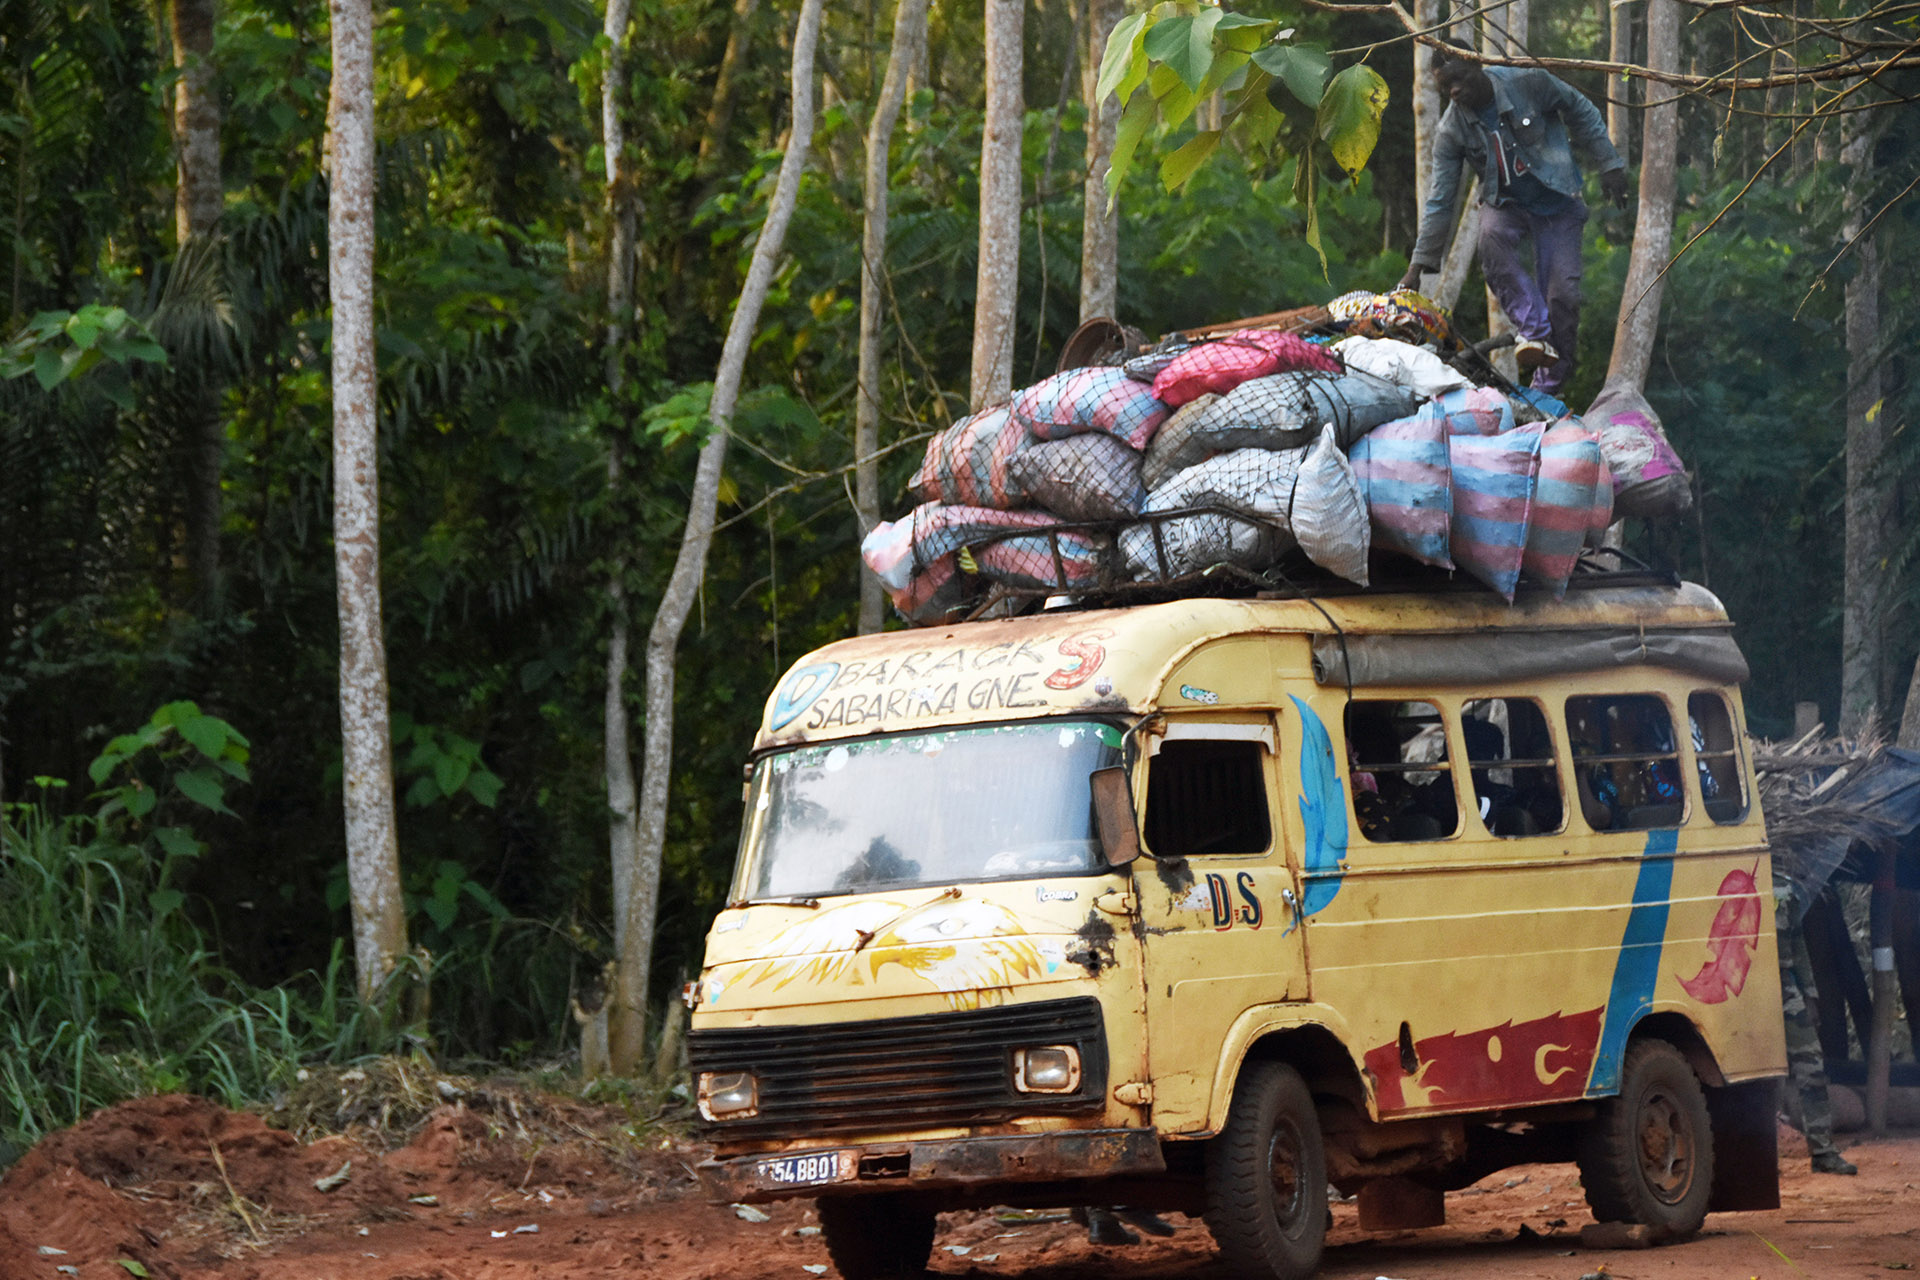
column 628, row 1022
column 1619, row 102
column 997, row 284
column 1459, row 259
column 909, row 30
column 1868, row 502
column 617, row 750
column 1910, row 724
column 1639, row 321
column 1427, row 106
column 373, row 852
column 720, row 110
column 198, row 198
column 1099, row 224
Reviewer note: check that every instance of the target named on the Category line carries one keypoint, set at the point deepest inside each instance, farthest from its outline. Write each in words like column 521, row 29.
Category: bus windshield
column 989, row 803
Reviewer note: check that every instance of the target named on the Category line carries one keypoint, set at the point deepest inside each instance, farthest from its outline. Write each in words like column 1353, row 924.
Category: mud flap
column 1746, row 1146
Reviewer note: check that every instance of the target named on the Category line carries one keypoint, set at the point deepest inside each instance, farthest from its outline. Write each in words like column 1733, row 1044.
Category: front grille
column 894, row 1074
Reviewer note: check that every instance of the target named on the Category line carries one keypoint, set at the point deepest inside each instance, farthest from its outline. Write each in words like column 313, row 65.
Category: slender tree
column 1639, row 320
column 627, row 1026
column 1868, row 501
column 997, row 282
column 617, row 754
column 373, row 852
column 1100, row 220
column 1620, row 88
column 909, row 32
column 1426, row 104
column 198, row 197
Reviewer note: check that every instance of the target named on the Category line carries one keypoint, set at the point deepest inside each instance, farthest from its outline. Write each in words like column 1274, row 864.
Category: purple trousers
column 1540, row 293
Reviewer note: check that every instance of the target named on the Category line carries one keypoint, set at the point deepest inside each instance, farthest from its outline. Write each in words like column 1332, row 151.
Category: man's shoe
column 1534, row 353
column 1833, row 1162
column 1151, row 1223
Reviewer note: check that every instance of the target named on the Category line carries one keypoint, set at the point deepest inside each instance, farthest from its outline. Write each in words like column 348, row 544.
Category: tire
column 880, row 1237
column 1648, row 1156
column 1267, row 1178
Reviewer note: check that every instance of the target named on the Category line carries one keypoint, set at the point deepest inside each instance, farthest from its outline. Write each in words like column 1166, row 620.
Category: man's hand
column 1613, row 184
column 1411, row 280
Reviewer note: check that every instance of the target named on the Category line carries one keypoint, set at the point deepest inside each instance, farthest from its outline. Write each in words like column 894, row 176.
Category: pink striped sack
column 1493, row 481
column 1079, row 400
column 1407, row 481
column 1471, row 411
column 1571, row 474
column 966, row 464
column 1225, row 362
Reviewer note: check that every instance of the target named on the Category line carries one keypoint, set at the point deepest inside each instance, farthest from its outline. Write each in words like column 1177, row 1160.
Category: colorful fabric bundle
column 1090, row 477
column 1648, row 479
column 966, row 465
column 1403, row 314
column 1570, row 476
column 1407, row 481
column 1082, row 400
column 1257, row 482
column 1493, row 479
column 1220, row 364
column 1401, row 363
column 1475, row 411
column 1328, row 512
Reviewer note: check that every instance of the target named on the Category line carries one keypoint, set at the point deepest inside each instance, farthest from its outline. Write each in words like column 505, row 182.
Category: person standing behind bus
column 1516, row 127
column 1806, row 1064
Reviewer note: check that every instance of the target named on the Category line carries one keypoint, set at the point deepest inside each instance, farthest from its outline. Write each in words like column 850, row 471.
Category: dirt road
column 480, row 1194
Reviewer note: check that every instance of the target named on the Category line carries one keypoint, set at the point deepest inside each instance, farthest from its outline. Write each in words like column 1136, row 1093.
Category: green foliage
column 60, row 346
column 1181, row 53
column 113, row 989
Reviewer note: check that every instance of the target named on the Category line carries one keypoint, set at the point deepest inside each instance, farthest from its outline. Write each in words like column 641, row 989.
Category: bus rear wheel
column 880, row 1237
column 1648, row 1156
column 1267, row 1178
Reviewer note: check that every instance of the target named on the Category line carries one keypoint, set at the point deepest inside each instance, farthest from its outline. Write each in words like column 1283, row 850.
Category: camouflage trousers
column 1806, row 1064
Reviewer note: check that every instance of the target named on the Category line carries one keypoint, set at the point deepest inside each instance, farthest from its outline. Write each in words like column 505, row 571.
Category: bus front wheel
column 1267, row 1178
column 1648, row 1156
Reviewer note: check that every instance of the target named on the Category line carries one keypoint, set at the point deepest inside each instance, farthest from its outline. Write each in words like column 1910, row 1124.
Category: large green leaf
column 1123, row 50
column 204, row 787
column 1350, row 114
column 1184, row 44
column 1133, row 126
column 1303, row 70
column 1177, row 168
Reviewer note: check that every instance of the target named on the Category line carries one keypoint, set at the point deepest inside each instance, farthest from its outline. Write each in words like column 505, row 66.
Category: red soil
column 141, row 1182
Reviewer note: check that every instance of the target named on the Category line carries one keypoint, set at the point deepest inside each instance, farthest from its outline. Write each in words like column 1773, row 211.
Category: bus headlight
column 729, row 1095
column 1052, row 1069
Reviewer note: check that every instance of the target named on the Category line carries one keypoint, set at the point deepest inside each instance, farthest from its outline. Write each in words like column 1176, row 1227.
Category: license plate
column 809, row 1170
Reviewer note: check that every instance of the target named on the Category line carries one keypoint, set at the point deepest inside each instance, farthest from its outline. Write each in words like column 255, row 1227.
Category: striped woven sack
column 1407, row 480
column 1028, row 560
column 1090, row 400
column 1221, row 364
column 967, row 463
column 1571, row 473
column 1472, row 411
column 1493, row 479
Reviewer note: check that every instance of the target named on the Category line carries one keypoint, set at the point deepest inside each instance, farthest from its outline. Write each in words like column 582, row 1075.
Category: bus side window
column 1402, row 779
column 1207, row 797
column 1717, row 752
column 1510, row 758
column 1626, row 762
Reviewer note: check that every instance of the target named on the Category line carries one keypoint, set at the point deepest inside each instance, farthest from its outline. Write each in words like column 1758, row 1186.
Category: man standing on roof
column 1514, row 126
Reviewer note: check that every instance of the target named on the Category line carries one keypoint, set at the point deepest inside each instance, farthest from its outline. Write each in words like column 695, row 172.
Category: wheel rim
column 1666, row 1148
column 1283, row 1173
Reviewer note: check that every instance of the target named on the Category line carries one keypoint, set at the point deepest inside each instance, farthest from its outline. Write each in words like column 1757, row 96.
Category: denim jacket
column 1543, row 113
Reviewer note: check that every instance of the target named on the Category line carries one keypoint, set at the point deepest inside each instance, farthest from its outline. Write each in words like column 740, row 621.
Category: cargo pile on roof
column 1326, row 435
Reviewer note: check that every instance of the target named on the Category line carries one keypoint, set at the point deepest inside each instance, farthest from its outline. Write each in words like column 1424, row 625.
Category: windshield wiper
column 868, row 935
column 811, row 904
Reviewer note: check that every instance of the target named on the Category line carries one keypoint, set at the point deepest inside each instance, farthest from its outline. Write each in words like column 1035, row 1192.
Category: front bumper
column 941, row 1164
